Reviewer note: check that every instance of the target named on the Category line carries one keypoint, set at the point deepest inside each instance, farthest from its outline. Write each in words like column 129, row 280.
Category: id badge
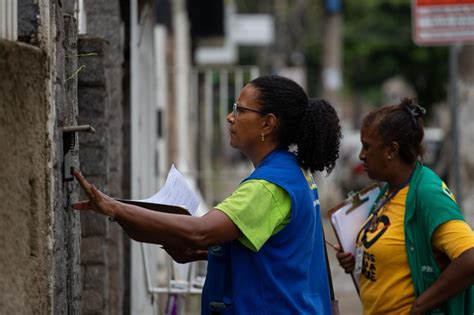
column 358, row 259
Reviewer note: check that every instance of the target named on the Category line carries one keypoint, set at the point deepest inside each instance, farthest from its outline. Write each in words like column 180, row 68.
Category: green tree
column 378, row 45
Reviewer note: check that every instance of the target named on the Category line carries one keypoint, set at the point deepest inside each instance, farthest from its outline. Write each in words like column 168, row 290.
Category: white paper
column 348, row 225
column 175, row 192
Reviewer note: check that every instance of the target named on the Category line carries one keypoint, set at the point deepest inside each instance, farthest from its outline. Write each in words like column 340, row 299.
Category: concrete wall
column 25, row 240
column 25, row 216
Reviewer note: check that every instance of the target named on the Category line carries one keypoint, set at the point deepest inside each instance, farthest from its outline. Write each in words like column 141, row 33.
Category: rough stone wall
column 25, row 215
column 101, row 99
column 104, row 21
column 66, row 228
column 102, row 254
column 39, row 232
column 93, row 110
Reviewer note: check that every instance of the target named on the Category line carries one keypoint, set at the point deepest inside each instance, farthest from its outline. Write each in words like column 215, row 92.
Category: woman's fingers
column 82, row 181
column 98, row 201
column 82, row 205
column 91, row 191
column 343, row 255
column 346, row 260
column 95, row 194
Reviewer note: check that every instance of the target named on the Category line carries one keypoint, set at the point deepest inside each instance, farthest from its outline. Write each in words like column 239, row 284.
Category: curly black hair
column 319, row 137
column 401, row 123
column 313, row 125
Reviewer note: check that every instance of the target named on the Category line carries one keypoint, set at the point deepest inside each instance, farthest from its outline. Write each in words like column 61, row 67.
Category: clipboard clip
column 356, row 201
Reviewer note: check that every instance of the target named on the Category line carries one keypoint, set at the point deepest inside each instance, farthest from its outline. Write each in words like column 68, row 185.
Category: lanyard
column 374, row 220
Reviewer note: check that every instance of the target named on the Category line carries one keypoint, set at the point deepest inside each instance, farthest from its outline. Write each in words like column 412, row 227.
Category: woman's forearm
column 457, row 277
column 170, row 230
column 174, row 230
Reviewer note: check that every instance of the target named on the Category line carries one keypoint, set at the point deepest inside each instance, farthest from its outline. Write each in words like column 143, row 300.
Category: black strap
column 331, row 289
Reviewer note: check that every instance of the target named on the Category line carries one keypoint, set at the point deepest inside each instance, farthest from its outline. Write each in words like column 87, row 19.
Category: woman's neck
column 401, row 176
column 259, row 155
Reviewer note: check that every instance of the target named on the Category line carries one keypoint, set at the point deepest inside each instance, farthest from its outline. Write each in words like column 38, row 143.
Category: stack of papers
column 174, row 197
column 348, row 217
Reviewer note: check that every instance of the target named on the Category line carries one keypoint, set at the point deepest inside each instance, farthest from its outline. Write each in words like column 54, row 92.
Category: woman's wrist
column 417, row 308
column 115, row 210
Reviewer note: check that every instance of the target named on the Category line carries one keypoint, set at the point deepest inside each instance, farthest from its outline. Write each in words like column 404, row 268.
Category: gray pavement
column 344, row 290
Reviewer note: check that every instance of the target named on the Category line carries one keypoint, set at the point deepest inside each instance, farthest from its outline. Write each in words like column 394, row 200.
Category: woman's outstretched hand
column 346, row 260
column 186, row 255
column 98, row 201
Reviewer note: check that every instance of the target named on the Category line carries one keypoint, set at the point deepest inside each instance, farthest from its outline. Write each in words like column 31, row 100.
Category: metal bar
column 7, row 19
column 175, row 290
column 224, row 93
column 3, row 19
column 223, row 106
column 194, row 123
column 147, row 268
column 191, row 276
column 14, row 20
column 208, row 131
column 86, row 128
column 174, row 286
column 239, row 81
column 455, row 165
column 81, row 18
column 254, row 72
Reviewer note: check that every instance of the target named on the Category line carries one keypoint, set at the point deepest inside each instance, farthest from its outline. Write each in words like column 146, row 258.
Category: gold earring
column 263, row 137
column 389, row 157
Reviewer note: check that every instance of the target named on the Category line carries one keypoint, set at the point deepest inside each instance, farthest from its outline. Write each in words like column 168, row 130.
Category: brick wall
column 66, row 227
column 101, row 248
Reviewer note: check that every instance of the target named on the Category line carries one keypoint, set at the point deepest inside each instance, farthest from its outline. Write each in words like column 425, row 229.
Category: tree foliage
column 378, row 45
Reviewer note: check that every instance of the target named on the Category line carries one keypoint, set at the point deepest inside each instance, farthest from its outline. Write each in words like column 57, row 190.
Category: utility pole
column 279, row 56
column 332, row 53
column 464, row 83
column 331, row 77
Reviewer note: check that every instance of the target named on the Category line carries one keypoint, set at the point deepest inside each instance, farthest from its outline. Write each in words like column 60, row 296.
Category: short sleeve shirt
column 386, row 283
column 259, row 209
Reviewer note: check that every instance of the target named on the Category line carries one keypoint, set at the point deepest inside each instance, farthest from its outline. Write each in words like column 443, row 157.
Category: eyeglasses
column 237, row 107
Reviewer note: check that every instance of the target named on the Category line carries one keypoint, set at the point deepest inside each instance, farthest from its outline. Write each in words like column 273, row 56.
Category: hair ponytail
column 318, row 137
column 312, row 125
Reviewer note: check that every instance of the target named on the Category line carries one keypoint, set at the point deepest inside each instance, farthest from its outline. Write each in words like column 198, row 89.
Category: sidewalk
column 344, row 290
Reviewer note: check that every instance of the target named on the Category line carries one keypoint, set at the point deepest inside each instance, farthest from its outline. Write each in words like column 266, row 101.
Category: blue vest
column 288, row 275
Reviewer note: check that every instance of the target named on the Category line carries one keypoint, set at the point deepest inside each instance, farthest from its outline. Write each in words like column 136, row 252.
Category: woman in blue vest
column 264, row 243
column 416, row 251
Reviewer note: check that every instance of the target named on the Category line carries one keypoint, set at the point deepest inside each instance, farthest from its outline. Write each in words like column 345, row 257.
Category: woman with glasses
column 416, row 251
column 264, row 243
